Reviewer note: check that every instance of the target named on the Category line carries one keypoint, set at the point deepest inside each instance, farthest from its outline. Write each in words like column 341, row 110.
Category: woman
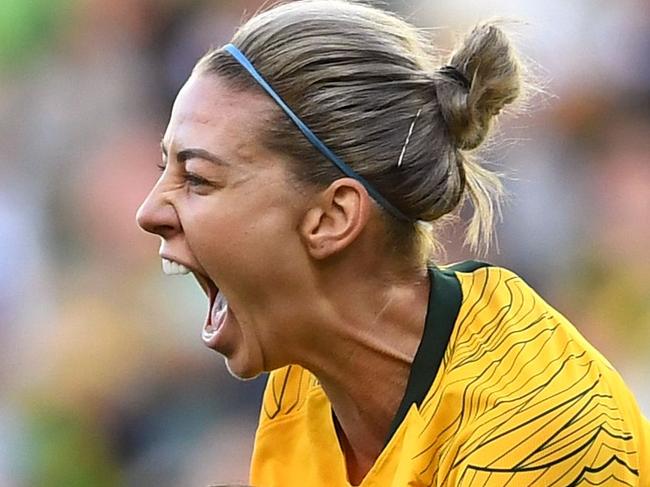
column 303, row 167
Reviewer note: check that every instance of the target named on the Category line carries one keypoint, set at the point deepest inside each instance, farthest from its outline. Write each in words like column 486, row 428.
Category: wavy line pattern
column 286, row 391
column 521, row 398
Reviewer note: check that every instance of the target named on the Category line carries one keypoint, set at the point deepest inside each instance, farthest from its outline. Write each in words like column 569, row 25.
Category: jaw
column 223, row 332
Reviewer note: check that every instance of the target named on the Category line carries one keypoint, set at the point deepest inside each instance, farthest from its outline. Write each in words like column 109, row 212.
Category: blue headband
column 311, row 136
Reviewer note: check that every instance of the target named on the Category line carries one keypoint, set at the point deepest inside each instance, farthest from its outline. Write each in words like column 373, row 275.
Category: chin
column 242, row 371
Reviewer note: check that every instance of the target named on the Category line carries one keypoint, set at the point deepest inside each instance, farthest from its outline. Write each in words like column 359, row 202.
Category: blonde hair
column 372, row 87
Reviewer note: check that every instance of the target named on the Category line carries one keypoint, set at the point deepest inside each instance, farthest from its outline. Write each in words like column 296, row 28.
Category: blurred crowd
column 103, row 377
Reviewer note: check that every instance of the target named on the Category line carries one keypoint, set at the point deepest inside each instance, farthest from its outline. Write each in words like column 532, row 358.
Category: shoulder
column 481, row 281
column 484, row 284
column 496, row 302
column 523, row 394
column 504, row 326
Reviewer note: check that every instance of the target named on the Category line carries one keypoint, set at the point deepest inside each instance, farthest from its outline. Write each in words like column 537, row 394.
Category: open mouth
column 218, row 304
column 216, row 312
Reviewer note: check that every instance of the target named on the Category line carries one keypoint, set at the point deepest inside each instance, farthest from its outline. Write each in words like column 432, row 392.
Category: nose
column 157, row 215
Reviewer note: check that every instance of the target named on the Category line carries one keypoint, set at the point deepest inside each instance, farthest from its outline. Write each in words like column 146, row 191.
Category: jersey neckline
column 445, row 298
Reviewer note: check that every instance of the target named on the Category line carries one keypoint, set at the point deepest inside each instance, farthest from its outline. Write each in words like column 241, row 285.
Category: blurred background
column 103, row 378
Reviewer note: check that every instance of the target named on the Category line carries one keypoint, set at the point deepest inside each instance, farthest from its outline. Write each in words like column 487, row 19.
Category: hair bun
column 482, row 77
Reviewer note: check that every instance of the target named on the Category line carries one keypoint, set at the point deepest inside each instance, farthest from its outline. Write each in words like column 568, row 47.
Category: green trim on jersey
column 445, row 298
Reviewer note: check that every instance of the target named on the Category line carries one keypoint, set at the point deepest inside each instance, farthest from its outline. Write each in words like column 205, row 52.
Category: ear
column 338, row 216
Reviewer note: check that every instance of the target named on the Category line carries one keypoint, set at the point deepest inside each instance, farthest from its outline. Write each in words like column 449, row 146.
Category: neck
column 361, row 352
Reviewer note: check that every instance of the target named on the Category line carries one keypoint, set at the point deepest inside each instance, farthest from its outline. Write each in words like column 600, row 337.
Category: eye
column 160, row 166
column 196, row 180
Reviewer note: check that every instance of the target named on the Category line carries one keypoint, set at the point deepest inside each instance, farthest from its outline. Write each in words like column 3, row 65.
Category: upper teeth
column 172, row 268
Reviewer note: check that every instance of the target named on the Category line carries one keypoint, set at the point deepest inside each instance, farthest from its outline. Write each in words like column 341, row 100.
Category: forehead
column 210, row 114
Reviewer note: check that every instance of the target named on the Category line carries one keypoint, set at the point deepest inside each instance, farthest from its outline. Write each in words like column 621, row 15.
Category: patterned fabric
column 520, row 399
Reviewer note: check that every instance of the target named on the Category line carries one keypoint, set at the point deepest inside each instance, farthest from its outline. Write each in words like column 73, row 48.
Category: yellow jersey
column 503, row 391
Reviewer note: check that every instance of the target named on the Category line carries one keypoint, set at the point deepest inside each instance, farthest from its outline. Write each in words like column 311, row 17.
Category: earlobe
column 337, row 218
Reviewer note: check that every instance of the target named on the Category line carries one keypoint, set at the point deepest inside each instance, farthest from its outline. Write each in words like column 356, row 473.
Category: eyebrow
column 195, row 153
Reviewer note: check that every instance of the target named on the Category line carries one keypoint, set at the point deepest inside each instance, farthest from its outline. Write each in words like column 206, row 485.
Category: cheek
column 218, row 238
column 240, row 240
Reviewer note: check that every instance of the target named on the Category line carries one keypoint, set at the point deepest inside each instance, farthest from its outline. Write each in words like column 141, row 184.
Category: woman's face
column 226, row 209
